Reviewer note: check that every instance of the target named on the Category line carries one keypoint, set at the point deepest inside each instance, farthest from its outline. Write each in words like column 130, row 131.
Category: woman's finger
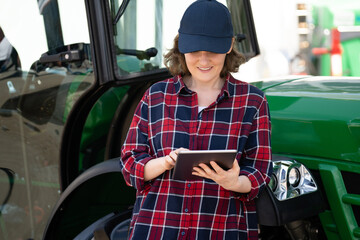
column 236, row 164
column 206, row 168
column 216, row 167
column 170, row 160
column 198, row 171
column 181, row 149
column 173, row 155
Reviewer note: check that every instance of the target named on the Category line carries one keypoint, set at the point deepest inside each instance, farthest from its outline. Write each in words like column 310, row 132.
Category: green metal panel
column 316, row 117
column 335, row 190
column 97, row 125
column 351, row 57
column 325, row 66
column 323, row 16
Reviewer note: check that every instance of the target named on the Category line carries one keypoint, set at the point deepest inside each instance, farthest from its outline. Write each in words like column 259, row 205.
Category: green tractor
column 74, row 75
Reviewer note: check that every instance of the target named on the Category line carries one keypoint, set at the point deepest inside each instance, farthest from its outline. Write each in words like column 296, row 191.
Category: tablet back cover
column 188, row 159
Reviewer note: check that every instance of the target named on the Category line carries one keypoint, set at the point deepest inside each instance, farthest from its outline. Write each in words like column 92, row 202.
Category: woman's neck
column 204, row 86
column 207, row 92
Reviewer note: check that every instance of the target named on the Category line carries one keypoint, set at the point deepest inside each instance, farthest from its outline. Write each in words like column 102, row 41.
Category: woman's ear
column 232, row 45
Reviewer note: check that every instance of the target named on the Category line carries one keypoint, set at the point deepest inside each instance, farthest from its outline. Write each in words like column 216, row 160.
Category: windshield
column 151, row 26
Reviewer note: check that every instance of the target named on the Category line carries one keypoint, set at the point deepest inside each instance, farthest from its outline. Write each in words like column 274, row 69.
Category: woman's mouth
column 204, row 68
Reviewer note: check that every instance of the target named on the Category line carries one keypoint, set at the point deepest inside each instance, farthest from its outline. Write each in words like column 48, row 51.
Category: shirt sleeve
column 256, row 160
column 135, row 152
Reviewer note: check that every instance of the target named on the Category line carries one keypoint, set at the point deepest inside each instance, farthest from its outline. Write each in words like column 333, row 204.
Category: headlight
column 290, row 179
column 294, row 177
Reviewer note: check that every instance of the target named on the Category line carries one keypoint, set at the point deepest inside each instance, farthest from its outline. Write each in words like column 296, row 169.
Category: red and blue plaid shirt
column 167, row 118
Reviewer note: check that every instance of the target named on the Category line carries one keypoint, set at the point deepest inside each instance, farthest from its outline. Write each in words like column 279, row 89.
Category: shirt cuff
column 257, row 183
column 137, row 180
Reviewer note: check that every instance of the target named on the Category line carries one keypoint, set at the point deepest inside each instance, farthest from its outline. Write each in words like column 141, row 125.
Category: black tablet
column 186, row 160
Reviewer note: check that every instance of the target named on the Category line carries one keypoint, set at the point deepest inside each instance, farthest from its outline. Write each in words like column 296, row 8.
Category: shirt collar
column 227, row 90
column 180, row 86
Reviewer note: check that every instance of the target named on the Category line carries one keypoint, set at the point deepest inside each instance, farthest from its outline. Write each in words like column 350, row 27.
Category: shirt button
column 183, row 233
column 186, row 210
column 189, row 185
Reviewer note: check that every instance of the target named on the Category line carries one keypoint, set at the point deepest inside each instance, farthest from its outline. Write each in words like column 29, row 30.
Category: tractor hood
column 315, row 116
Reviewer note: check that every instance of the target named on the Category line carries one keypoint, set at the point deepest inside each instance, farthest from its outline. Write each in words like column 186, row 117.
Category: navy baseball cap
column 206, row 26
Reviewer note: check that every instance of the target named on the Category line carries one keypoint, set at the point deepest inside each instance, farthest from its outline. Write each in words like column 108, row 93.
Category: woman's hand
column 229, row 179
column 170, row 160
column 157, row 166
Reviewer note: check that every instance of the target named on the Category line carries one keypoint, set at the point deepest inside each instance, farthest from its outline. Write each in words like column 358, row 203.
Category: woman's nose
column 204, row 57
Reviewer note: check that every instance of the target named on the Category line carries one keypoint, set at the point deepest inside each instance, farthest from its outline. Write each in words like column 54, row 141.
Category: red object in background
column 335, row 42
column 335, row 53
column 319, row 51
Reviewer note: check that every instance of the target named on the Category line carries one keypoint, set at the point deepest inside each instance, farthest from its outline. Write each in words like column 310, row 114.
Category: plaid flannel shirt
column 167, row 118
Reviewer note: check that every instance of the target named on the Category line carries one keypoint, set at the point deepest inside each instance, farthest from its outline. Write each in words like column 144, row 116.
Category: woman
column 202, row 108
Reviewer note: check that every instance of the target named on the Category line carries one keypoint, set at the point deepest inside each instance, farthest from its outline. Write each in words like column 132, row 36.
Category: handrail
column 353, row 199
column 356, row 232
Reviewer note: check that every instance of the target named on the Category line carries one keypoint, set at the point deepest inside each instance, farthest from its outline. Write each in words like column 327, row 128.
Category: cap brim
column 192, row 43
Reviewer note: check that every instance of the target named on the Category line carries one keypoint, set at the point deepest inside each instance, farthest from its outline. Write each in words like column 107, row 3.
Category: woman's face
column 205, row 66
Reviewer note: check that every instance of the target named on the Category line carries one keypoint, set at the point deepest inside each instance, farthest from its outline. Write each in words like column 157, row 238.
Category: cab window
column 148, row 27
